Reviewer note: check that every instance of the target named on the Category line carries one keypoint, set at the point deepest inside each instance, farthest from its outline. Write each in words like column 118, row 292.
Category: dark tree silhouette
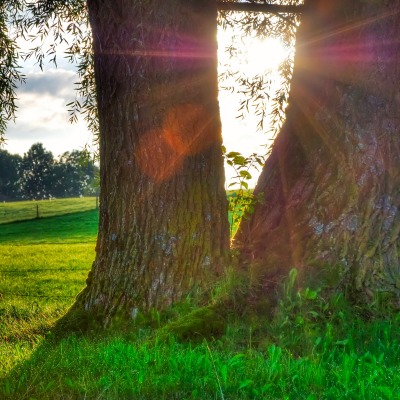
column 36, row 173
column 9, row 175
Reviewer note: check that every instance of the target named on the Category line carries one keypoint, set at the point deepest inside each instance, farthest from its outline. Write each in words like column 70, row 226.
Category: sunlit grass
column 37, row 285
column 23, row 210
column 43, row 265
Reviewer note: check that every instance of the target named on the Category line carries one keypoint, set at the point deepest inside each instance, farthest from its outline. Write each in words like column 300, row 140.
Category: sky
column 42, row 114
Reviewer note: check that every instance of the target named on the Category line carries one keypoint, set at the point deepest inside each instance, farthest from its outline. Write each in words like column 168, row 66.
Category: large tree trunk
column 163, row 213
column 331, row 184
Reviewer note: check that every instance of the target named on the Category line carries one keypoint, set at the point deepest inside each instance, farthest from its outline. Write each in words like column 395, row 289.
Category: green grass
column 25, row 210
column 116, row 368
column 315, row 348
column 80, row 227
column 43, row 265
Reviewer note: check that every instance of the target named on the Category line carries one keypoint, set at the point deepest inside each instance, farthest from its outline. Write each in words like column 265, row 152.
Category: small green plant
column 242, row 199
column 308, row 318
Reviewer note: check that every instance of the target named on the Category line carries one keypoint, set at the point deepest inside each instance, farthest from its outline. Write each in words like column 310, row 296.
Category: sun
column 263, row 55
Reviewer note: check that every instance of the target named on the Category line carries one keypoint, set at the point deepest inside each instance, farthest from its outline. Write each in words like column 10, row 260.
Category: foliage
column 39, row 176
column 36, row 172
column 74, row 175
column 257, row 91
column 64, row 22
column 9, row 175
column 10, row 75
column 241, row 200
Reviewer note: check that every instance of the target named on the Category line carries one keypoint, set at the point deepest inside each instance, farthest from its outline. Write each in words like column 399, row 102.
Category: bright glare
column 252, row 57
column 263, row 55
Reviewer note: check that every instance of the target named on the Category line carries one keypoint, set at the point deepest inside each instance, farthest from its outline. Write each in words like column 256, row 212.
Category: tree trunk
column 331, row 184
column 163, row 229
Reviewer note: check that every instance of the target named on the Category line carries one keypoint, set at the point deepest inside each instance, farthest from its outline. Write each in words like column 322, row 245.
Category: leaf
column 239, row 160
column 245, row 174
column 310, row 294
column 314, row 314
column 292, row 277
column 245, row 383
column 342, row 342
column 236, row 359
column 385, row 390
column 224, row 373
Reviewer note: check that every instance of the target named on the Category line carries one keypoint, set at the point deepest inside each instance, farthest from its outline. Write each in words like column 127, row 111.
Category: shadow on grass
column 77, row 359
column 357, row 362
column 313, row 349
column 75, row 227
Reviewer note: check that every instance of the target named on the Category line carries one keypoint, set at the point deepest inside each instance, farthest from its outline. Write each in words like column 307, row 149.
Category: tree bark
column 163, row 228
column 331, row 184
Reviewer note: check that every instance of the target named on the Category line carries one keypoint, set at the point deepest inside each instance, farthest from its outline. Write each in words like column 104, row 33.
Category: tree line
column 39, row 175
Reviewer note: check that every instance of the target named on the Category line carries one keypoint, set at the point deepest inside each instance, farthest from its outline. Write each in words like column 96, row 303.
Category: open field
column 80, row 227
column 312, row 349
column 25, row 210
column 43, row 265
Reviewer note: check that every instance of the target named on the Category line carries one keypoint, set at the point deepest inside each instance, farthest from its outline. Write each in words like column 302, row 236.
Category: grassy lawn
column 80, row 227
column 23, row 210
column 43, row 265
column 313, row 349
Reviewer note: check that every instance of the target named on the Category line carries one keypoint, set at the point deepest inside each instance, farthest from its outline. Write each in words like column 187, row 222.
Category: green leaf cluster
column 241, row 200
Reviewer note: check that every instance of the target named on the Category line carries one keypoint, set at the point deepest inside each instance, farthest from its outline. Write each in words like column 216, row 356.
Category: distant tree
column 9, row 175
column 73, row 175
column 37, row 178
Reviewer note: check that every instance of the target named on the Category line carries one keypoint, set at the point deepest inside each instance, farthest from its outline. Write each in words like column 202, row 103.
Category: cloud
column 42, row 114
column 53, row 82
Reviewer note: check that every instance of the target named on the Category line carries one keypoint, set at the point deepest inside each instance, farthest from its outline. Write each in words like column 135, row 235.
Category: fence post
column 37, row 211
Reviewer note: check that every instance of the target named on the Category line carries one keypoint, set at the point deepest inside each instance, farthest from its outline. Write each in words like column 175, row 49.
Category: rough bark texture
column 331, row 184
column 163, row 215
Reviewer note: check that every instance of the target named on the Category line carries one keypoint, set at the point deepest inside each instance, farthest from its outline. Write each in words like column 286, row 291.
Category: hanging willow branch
column 264, row 8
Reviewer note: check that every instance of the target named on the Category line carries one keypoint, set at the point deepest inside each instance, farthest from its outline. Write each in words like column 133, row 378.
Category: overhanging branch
column 256, row 7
